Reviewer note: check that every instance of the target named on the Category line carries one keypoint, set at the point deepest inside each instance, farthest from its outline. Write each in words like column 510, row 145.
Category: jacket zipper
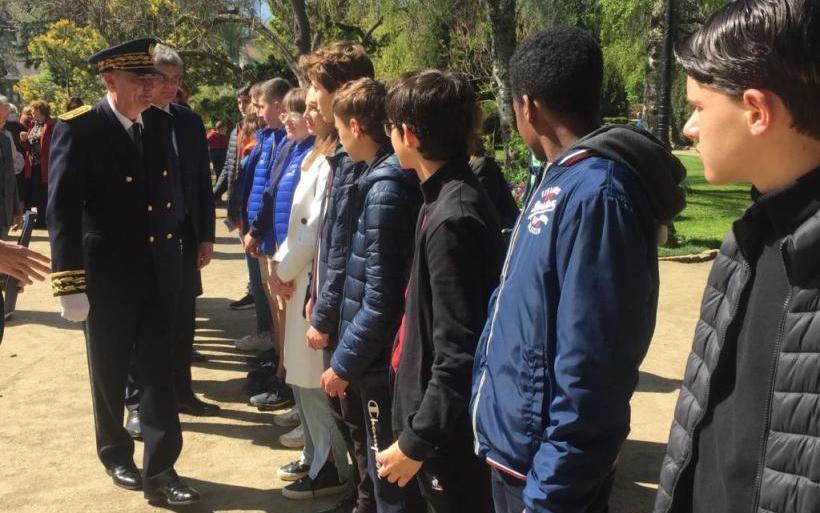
column 504, row 271
column 764, row 440
column 746, row 269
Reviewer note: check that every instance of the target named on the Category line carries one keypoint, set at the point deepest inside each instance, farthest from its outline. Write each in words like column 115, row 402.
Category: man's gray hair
column 166, row 55
column 4, row 101
column 13, row 108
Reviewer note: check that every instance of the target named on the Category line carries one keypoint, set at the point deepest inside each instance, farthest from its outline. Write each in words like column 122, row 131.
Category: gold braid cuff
column 68, row 282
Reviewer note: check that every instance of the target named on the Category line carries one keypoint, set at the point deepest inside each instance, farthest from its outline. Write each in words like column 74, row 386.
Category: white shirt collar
column 124, row 121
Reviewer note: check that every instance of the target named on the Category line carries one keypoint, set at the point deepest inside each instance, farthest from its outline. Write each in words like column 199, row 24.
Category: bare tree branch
column 205, row 54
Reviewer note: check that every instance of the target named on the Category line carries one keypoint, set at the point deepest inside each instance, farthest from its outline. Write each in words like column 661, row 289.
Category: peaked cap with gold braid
column 136, row 56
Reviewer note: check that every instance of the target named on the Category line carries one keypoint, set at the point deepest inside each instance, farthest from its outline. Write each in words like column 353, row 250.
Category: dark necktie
column 136, row 135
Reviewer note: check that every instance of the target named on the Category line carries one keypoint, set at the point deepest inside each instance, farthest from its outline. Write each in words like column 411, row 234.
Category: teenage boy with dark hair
column 328, row 68
column 745, row 434
column 384, row 213
column 455, row 269
column 573, row 316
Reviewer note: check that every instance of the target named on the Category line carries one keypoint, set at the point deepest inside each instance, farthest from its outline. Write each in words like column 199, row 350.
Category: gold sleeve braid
column 68, row 282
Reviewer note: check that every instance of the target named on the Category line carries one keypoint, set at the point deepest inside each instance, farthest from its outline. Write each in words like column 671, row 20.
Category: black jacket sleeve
column 459, row 311
column 65, row 211
column 206, row 222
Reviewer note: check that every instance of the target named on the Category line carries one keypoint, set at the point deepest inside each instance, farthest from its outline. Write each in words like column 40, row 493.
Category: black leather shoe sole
column 156, row 496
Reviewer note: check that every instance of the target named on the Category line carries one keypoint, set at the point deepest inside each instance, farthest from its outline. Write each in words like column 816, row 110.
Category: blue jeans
column 322, row 435
column 260, row 300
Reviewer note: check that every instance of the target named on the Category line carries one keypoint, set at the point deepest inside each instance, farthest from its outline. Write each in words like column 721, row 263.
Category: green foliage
column 215, row 103
column 62, row 51
column 710, row 211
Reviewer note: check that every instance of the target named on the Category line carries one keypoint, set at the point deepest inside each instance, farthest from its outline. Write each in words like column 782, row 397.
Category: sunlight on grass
column 710, row 210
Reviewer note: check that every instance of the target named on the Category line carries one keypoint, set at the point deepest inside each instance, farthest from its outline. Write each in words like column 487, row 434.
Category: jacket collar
column 792, row 212
column 431, row 188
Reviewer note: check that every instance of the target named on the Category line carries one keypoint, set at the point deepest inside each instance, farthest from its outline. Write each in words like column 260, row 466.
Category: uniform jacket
column 381, row 251
column 107, row 207
column 572, row 319
column 787, row 457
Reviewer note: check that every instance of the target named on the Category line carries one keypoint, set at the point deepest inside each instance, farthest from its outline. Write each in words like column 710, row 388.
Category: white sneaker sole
column 286, row 476
column 312, row 494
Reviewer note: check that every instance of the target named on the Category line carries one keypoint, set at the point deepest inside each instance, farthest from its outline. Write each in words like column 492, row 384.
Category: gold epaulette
column 68, row 282
column 79, row 111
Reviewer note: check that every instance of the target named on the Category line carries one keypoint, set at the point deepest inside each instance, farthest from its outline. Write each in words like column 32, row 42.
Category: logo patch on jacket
column 538, row 213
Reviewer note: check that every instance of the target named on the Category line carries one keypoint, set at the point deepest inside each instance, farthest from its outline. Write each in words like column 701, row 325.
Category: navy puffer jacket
column 381, row 252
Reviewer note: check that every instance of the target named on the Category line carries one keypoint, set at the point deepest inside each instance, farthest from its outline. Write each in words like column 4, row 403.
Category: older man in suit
column 193, row 207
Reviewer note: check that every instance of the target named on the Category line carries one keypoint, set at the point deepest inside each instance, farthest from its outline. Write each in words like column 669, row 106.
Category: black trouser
column 132, row 319
column 457, row 480
column 183, row 328
column 367, row 408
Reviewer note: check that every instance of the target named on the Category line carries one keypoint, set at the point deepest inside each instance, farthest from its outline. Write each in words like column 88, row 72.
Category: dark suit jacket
column 194, row 162
column 107, row 209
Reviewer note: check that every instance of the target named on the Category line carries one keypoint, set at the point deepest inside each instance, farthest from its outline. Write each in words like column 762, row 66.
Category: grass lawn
column 709, row 212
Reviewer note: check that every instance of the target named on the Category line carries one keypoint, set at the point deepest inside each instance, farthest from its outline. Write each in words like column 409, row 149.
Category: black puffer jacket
column 381, row 252
column 789, row 464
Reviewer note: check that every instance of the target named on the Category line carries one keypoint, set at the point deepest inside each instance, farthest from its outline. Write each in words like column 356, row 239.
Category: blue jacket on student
column 256, row 178
column 285, row 184
column 381, row 251
column 572, row 319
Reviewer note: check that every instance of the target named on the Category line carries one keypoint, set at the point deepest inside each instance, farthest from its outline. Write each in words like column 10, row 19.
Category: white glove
column 74, row 307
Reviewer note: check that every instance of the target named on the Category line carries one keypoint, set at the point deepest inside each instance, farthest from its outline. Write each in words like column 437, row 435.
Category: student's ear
column 529, row 109
column 761, row 110
column 355, row 127
column 409, row 137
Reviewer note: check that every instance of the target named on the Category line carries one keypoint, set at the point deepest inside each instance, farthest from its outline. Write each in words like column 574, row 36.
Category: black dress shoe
column 132, row 424
column 125, row 476
column 168, row 488
column 197, row 357
column 194, row 406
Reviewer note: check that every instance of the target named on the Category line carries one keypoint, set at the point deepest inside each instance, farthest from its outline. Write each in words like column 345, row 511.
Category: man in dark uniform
column 195, row 213
column 117, row 261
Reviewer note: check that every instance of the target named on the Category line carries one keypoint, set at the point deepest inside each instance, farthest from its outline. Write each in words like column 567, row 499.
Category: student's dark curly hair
column 762, row 44
column 563, row 67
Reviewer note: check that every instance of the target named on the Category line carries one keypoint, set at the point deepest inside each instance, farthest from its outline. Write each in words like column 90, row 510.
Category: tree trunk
column 658, row 92
column 501, row 15
column 303, row 38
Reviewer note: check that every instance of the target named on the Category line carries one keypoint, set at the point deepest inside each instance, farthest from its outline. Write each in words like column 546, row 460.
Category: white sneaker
column 294, row 439
column 288, row 419
column 258, row 342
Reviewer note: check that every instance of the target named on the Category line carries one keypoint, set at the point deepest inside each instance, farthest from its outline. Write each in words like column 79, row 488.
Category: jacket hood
column 386, row 167
column 660, row 172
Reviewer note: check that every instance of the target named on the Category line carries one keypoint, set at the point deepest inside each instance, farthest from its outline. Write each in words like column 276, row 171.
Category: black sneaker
column 279, row 399
column 293, row 471
column 326, row 483
column 243, row 304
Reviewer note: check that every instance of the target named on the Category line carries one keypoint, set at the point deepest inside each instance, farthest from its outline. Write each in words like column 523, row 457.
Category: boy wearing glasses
column 455, row 269
column 381, row 248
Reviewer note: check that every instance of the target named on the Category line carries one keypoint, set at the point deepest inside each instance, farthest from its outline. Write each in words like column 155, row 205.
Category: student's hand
column 395, row 466
column 309, row 308
column 316, row 339
column 206, row 253
column 332, row 384
column 22, row 263
column 251, row 245
column 286, row 289
column 17, row 221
